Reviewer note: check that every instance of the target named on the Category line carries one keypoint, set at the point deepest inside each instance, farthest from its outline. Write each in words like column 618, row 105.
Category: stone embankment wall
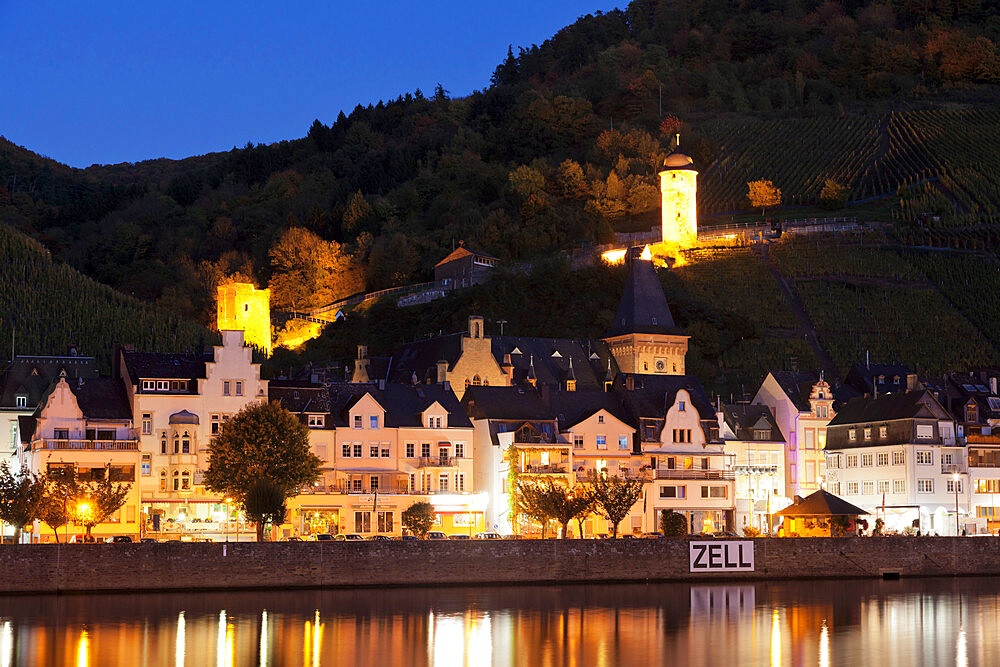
column 197, row 566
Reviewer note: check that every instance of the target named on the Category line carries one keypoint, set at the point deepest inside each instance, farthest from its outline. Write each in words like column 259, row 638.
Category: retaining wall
column 200, row 566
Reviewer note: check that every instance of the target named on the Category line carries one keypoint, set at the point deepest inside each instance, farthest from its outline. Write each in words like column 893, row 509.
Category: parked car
column 409, row 538
column 121, row 539
column 436, row 535
column 325, row 537
column 380, row 538
column 652, row 536
column 459, row 536
column 489, row 536
column 294, row 538
column 353, row 537
column 147, row 540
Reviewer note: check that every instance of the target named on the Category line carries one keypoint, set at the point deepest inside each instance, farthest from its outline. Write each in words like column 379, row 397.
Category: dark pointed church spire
column 643, row 307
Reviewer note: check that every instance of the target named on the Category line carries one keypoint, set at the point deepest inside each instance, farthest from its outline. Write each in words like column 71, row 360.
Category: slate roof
column 742, row 418
column 573, row 407
column 26, row 428
column 403, row 404
column 906, row 405
column 822, row 503
column 653, row 394
column 863, row 378
column 510, row 403
column 33, row 374
column 102, row 398
column 165, row 365
column 299, row 397
column 550, row 356
column 797, row 385
column 643, row 307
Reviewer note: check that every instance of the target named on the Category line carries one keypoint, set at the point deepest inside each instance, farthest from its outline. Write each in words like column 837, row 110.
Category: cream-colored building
column 802, row 405
column 757, row 445
column 383, row 449
column 179, row 403
column 85, row 424
column 691, row 471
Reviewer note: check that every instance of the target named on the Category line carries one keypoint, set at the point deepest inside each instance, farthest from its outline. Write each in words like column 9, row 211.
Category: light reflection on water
column 859, row 622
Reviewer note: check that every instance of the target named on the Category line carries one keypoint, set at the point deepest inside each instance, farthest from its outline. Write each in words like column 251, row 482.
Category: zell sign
column 721, row 556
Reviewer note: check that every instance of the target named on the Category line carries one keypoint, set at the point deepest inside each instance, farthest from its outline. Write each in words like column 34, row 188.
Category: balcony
column 552, row 469
column 695, row 473
column 346, row 488
column 952, row 468
column 436, row 462
column 89, row 445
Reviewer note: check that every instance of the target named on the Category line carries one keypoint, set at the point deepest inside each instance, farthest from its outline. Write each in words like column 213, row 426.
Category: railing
column 694, row 473
column 102, row 445
column 542, row 470
column 344, row 488
column 435, row 462
column 951, row 468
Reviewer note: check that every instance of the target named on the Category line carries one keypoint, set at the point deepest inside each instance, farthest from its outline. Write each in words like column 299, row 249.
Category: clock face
column 661, row 365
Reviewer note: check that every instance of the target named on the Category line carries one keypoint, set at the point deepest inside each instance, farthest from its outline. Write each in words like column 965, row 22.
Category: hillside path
column 806, row 327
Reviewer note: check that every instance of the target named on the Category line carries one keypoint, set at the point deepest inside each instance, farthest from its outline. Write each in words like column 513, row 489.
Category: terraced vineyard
column 955, row 152
column 47, row 306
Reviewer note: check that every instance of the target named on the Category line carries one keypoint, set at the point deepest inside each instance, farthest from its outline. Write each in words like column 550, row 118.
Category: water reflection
column 925, row 622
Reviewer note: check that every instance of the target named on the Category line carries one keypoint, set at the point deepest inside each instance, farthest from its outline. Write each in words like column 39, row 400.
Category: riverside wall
column 46, row 568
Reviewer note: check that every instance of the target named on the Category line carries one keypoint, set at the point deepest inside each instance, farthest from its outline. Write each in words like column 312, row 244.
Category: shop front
column 190, row 520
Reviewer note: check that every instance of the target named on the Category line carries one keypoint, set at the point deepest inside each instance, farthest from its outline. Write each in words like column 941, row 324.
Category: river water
column 854, row 622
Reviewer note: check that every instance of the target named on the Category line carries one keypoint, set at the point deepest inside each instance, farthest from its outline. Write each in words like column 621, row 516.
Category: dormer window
column 895, row 379
column 881, row 379
column 373, row 422
column 21, row 401
column 681, row 406
column 316, row 421
column 600, row 419
column 358, row 421
column 761, row 434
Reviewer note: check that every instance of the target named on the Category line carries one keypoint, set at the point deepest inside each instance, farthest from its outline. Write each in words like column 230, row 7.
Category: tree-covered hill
column 562, row 146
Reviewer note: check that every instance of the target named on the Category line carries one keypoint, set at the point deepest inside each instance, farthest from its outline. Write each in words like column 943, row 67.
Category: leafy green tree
column 673, row 524
column 21, row 496
column 263, row 441
column 97, row 500
column 309, row 271
column 536, row 502
column 61, row 490
column 418, row 518
column 833, row 196
column 614, row 497
column 264, row 504
column 763, row 195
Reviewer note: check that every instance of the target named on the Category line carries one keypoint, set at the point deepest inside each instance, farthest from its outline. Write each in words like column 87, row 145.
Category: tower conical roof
column 643, row 308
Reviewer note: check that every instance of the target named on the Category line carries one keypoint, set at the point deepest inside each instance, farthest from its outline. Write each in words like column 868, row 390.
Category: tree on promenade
column 265, row 504
column 61, row 491
column 263, row 441
column 615, row 496
column 98, row 500
column 418, row 518
column 21, row 496
column 673, row 524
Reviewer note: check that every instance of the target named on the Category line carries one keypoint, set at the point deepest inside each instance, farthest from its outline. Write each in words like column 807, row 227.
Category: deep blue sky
column 105, row 82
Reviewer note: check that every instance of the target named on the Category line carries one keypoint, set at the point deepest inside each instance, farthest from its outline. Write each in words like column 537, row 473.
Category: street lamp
column 954, row 480
column 227, row 501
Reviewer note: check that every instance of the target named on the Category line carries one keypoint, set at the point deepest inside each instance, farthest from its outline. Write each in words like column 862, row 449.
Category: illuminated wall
column 242, row 307
column 678, row 188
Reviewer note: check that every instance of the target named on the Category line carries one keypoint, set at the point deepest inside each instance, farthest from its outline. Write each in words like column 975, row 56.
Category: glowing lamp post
column 83, row 513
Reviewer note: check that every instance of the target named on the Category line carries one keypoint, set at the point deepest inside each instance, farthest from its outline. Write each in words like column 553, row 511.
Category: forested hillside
column 894, row 100
column 46, row 306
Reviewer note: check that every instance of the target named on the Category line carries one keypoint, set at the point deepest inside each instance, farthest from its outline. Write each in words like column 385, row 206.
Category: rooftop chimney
column 911, row 381
column 442, row 371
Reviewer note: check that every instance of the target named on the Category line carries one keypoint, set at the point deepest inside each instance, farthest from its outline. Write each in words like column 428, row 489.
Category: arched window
column 177, row 482
column 185, row 480
column 467, row 383
column 177, row 444
column 486, row 383
column 163, row 444
column 163, row 473
column 186, row 444
column 476, row 380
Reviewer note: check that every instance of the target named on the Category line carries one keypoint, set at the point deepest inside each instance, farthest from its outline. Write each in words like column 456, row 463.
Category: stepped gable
column 643, row 307
column 32, row 375
column 743, row 419
column 551, row 357
column 797, row 385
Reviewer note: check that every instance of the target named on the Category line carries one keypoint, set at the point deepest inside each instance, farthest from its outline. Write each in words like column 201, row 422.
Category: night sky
column 107, row 82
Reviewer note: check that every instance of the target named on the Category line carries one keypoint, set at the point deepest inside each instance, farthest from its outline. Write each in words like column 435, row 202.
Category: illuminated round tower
column 678, row 187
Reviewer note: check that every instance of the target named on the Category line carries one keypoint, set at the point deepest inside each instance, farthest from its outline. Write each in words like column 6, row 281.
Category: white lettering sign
column 721, row 556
